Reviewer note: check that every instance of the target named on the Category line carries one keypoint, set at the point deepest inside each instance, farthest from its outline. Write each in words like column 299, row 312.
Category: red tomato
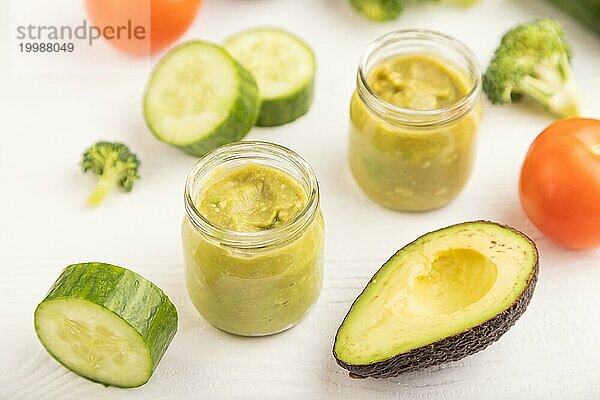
column 560, row 182
column 162, row 21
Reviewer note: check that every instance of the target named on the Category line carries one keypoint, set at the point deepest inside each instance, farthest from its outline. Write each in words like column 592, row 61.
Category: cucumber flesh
column 94, row 342
column 199, row 98
column 106, row 323
column 284, row 68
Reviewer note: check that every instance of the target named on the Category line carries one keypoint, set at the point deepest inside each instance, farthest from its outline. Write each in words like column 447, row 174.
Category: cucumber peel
column 284, row 67
column 106, row 324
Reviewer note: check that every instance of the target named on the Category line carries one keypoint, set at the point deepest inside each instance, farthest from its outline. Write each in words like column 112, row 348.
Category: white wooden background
column 553, row 352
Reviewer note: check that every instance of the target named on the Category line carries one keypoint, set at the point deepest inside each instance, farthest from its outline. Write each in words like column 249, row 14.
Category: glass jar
column 414, row 160
column 253, row 283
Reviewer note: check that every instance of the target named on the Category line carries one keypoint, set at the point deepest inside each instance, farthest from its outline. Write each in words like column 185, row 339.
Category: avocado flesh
column 437, row 290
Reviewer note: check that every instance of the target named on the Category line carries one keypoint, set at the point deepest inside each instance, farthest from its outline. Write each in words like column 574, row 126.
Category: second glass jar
column 414, row 159
column 253, row 283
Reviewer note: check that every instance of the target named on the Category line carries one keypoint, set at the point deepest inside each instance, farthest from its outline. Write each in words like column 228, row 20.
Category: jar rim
column 436, row 116
column 252, row 151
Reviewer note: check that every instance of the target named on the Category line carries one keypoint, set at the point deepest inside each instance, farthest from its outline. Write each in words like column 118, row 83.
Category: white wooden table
column 553, row 352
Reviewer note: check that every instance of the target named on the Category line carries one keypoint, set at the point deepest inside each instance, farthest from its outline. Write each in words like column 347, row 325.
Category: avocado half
column 447, row 295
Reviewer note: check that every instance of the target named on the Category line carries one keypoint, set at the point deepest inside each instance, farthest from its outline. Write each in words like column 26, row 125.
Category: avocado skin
column 452, row 348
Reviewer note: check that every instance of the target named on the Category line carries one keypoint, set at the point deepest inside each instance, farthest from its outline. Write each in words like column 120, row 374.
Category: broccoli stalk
column 115, row 165
column 553, row 86
column 533, row 60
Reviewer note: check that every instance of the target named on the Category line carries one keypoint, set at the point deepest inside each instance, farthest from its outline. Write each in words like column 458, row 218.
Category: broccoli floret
column 533, row 60
column 462, row 3
column 379, row 10
column 389, row 10
column 115, row 165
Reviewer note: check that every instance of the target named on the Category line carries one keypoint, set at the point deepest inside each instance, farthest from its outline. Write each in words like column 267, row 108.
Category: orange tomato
column 162, row 21
column 560, row 182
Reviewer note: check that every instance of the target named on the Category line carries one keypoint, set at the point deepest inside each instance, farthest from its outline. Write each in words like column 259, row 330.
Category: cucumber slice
column 106, row 324
column 199, row 98
column 284, row 68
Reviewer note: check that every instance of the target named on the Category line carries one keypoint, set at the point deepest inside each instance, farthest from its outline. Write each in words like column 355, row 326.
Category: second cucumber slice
column 284, row 68
column 199, row 98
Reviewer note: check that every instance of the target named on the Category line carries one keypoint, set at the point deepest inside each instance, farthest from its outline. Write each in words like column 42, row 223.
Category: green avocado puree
column 253, row 292
column 405, row 167
column 417, row 82
column 250, row 199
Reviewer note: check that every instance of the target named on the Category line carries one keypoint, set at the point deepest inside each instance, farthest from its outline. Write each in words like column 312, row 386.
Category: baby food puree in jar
column 253, row 238
column 414, row 119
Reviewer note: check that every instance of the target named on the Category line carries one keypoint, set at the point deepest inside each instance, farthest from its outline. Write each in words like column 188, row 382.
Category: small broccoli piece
column 462, row 3
column 389, row 10
column 115, row 165
column 379, row 10
column 533, row 60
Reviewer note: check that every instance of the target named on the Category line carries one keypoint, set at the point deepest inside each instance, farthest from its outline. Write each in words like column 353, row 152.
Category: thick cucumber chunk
column 106, row 323
column 199, row 98
column 284, row 68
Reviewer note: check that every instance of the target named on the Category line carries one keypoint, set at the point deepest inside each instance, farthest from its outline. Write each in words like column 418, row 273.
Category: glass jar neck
column 244, row 153
column 424, row 42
